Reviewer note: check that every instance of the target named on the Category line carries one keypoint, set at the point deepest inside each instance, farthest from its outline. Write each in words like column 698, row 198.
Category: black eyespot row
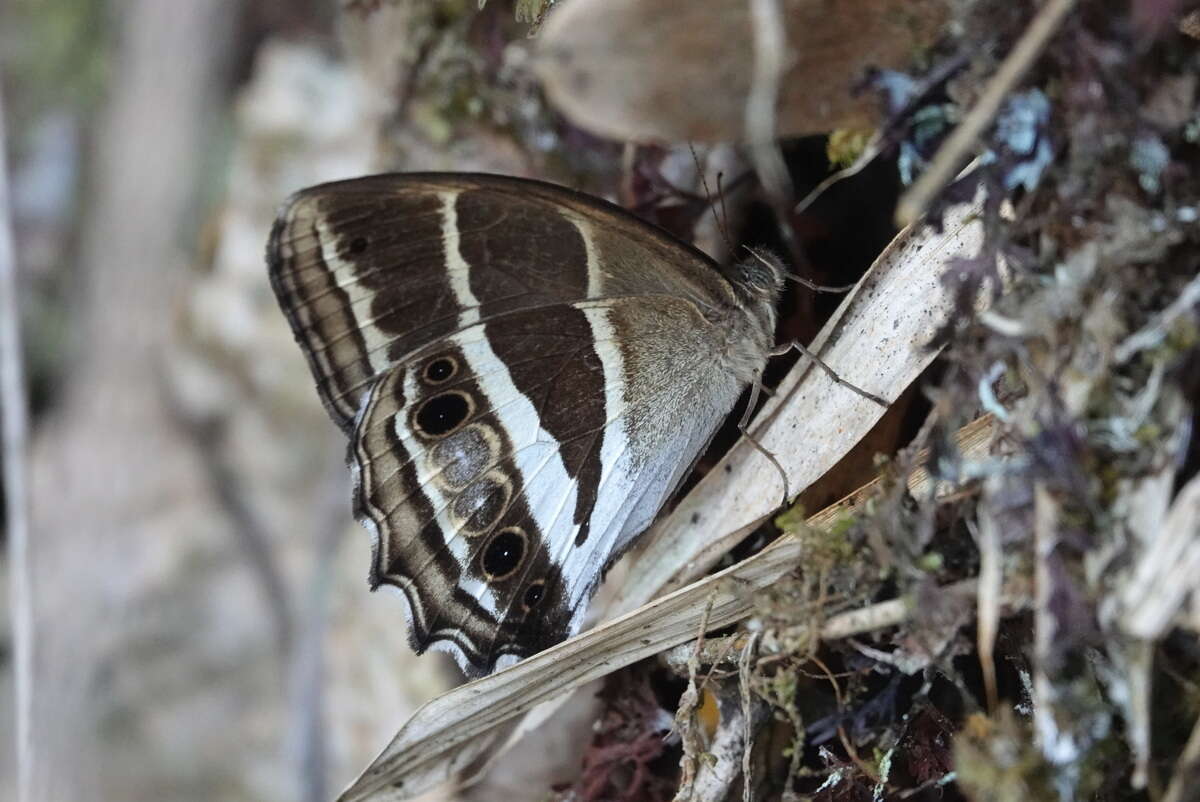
column 503, row 554
column 443, row 413
column 440, row 369
column 533, row 594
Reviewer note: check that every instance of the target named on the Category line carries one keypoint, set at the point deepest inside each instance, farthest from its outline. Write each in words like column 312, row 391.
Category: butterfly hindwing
column 475, row 473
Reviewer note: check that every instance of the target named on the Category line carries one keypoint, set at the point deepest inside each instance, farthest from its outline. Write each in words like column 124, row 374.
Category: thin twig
column 16, row 453
column 878, row 616
column 748, row 653
column 991, row 582
column 864, row 159
column 1159, row 326
column 770, row 61
column 847, row 744
column 946, row 162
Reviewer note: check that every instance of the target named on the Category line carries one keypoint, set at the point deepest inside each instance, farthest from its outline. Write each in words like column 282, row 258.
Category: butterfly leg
column 783, row 349
column 744, row 428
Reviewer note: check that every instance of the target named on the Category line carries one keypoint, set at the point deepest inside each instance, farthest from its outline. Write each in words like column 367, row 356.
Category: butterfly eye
column 503, row 554
column 440, row 369
column 533, row 595
column 443, row 413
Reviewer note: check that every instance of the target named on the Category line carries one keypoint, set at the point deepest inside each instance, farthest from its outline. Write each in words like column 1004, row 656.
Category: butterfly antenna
column 724, row 211
column 722, row 219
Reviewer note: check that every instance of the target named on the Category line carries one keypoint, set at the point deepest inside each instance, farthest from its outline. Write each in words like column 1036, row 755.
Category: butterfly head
column 759, row 277
column 757, row 282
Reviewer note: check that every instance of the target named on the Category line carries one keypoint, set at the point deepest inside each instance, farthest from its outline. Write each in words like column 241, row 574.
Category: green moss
column 845, row 145
column 995, row 759
column 792, row 519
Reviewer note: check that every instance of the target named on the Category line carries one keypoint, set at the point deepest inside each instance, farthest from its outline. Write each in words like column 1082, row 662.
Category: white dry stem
column 685, row 723
column 770, row 61
column 16, row 466
column 880, row 615
column 991, row 580
column 1168, row 570
column 744, row 664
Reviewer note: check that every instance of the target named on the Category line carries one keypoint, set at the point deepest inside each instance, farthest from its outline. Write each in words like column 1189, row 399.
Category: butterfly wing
column 369, row 269
column 526, row 375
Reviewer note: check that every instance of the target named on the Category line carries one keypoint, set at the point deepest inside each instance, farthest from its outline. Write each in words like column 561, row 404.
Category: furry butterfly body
column 525, row 375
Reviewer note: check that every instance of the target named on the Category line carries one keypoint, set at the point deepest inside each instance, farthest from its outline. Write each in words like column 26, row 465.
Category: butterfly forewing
column 525, row 375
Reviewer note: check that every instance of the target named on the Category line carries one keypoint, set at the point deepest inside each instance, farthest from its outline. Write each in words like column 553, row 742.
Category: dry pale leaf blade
column 674, row 70
column 878, row 341
column 453, row 731
column 421, row 753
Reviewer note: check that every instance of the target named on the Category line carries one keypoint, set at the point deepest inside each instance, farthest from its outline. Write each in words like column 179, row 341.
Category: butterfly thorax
column 757, row 283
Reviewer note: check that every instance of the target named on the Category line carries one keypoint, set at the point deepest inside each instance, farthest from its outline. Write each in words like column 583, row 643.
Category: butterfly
column 525, row 374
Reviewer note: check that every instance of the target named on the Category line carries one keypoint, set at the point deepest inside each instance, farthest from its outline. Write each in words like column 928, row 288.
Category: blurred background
column 204, row 625
column 204, row 628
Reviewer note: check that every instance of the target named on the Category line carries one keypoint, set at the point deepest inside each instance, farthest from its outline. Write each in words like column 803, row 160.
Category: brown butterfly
column 525, row 374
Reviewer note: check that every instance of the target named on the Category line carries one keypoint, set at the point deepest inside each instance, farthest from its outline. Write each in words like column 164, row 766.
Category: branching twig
column 1159, row 326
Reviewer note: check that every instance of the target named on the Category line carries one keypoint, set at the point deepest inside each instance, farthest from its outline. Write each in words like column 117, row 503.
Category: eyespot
column 440, row 369
column 358, row 245
column 443, row 414
column 533, row 594
column 502, row 555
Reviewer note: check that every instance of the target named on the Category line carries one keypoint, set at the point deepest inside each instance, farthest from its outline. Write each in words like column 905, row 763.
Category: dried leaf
column 674, row 70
